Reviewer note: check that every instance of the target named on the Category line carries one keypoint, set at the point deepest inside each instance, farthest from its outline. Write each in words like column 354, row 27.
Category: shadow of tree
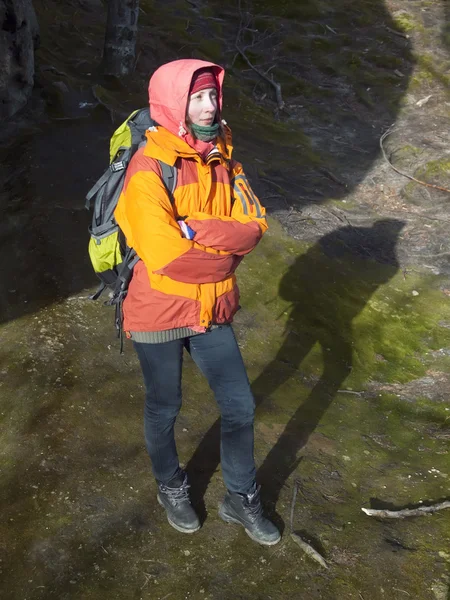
column 344, row 68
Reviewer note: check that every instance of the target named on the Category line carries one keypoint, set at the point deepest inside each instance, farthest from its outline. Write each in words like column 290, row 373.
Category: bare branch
column 430, row 185
column 330, row 175
column 399, row 33
column 294, row 497
column 309, row 550
column 273, row 83
column 407, row 512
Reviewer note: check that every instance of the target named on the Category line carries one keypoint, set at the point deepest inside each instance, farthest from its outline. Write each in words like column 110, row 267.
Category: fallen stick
column 407, row 512
column 273, row 83
column 430, row 185
column 332, row 177
column 399, row 33
column 294, row 498
column 309, row 550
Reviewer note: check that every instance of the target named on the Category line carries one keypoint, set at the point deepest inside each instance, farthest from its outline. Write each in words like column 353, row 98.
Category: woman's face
column 202, row 107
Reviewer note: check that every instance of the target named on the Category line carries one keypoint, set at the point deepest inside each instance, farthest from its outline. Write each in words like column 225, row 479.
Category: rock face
column 19, row 35
column 120, row 39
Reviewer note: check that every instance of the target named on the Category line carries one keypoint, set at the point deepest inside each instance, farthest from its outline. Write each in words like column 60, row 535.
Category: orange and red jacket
column 180, row 282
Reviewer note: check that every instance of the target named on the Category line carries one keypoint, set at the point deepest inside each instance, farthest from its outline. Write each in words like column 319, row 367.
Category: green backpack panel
column 112, row 260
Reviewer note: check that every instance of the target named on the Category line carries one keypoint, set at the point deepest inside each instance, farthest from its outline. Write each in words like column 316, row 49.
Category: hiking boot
column 246, row 510
column 174, row 497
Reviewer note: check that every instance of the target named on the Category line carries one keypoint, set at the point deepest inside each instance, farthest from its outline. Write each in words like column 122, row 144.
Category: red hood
column 169, row 93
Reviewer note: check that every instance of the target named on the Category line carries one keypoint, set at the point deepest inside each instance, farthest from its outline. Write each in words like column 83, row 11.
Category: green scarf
column 205, row 134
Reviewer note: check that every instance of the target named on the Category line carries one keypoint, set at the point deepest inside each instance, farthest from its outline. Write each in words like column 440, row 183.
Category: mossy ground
column 345, row 338
column 81, row 519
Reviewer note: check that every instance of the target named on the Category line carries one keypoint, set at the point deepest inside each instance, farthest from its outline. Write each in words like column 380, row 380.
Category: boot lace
column 177, row 495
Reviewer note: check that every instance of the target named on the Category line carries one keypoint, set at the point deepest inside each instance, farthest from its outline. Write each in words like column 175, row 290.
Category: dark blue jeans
column 217, row 355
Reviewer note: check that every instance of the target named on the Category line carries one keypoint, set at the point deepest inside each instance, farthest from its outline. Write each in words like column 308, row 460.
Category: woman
column 183, row 293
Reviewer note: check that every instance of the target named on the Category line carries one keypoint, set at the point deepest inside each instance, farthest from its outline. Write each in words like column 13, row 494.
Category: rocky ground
column 345, row 325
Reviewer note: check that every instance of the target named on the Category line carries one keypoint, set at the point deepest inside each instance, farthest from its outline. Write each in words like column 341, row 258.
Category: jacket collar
column 167, row 147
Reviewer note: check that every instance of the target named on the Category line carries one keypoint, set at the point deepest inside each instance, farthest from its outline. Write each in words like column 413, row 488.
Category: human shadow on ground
column 327, row 287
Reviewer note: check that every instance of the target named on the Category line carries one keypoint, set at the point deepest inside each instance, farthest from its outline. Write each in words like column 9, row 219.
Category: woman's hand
column 187, row 232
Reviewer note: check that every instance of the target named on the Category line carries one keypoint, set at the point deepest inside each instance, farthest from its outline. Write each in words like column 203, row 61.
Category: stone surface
column 19, row 34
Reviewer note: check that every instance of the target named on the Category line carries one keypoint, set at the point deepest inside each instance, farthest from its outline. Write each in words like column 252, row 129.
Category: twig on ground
column 430, row 185
column 332, row 177
column 342, row 219
column 147, row 579
column 405, row 36
column 277, row 185
column 419, row 216
column 437, row 255
column 53, row 70
column 350, row 392
column 310, row 219
column 274, row 84
column 331, row 29
column 407, row 512
column 309, row 550
column 294, row 498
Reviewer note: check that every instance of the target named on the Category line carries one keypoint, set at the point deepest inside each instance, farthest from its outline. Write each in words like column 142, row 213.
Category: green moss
column 352, row 60
column 207, row 11
column 434, row 169
column 324, row 44
column 365, row 97
column 385, row 61
column 309, row 9
column 434, row 172
column 385, row 327
column 406, row 155
column 343, row 204
column 297, row 86
column 295, row 43
column 406, row 22
column 430, row 70
column 446, row 38
column 211, row 49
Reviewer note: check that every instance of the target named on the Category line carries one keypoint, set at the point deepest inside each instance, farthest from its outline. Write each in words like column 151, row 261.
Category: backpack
column 113, row 261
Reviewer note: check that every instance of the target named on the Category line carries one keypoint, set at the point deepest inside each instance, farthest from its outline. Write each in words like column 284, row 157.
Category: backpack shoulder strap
column 138, row 123
column 169, row 177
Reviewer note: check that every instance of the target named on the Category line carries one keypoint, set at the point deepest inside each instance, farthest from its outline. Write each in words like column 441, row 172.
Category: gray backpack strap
column 169, row 177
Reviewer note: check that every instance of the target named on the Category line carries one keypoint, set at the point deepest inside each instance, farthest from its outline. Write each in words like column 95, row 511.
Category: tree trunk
column 19, row 35
column 120, row 39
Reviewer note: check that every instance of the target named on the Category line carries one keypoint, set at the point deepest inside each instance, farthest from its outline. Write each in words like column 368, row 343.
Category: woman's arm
column 146, row 217
column 239, row 233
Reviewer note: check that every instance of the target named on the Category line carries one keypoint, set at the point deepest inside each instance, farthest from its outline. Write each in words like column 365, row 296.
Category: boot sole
column 229, row 519
column 174, row 525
